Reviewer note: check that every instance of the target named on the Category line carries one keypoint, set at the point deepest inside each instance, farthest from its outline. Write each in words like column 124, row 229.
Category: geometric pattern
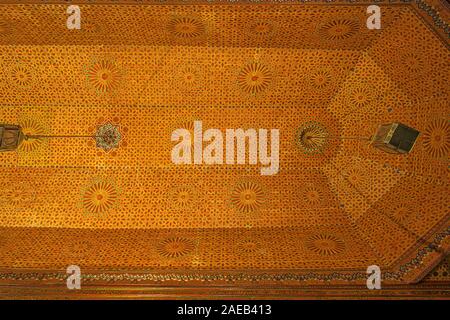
column 131, row 75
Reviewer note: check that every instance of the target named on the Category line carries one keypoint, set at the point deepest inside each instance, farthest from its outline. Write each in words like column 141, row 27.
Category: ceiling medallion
column 254, row 78
column 189, row 78
column 175, row 247
column 436, row 138
column 183, row 197
column 356, row 174
column 401, row 213
column 248, row 197
column 186, row 27
column 21, row 76
column 99, row 197
column 313, row 195
column 248, row 246
column 260, row 30
column 108, row 137
column 103, row 75
column 320, row 79
column 412, row 62
column 339, row 29
column 311, row 137
column 361, row 95
column 21, row 195
column 32, row 126
column 325, row 244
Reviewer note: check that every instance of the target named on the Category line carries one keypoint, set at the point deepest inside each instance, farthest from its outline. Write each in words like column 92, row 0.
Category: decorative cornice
column 439, row 23
column 135, row 277
column 421, row 4
column 206, row 2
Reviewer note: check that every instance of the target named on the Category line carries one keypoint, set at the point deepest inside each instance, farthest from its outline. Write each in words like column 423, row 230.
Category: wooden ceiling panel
column 129, row 214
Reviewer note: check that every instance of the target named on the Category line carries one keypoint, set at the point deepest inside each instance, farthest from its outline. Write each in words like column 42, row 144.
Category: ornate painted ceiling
column 129, row 216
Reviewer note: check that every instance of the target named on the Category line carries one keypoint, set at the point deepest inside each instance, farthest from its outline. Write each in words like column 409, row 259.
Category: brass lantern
column 11, row 137
column 395, row 138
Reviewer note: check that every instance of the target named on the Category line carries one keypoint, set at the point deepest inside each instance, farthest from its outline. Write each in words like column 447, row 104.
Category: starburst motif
column 325, row 244
column 339, row 29
column 313, row 195
column 261, row 28
column 21, row 194
column 401, row 213
column 320, row 79
column 311, row 137
column 183, row 197
column 436, row 138
column 175, row 247
column 21, row 76
column 412, row 62
column 189, row 78
column 31, row 127
column 99, row 197
column 361, row 95
column 186, row 27
column 248, row 246
column 254, row 78
column 355, row 173
column 248, row 197
column 104, row 75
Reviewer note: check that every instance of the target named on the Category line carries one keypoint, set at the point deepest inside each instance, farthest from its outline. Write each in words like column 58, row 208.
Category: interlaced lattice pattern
column 145, row 71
